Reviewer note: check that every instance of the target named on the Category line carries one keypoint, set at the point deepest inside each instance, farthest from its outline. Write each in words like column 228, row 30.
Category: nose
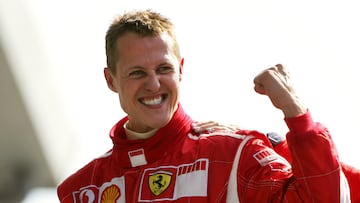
column 152, row 83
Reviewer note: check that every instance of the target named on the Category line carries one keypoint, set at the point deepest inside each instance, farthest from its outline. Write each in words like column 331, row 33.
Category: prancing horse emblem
column 159, row 181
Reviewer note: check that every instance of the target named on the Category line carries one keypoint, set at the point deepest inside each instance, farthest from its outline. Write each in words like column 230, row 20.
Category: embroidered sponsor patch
column 137, row 157
column 173, row 182
column 265, row 156
column 269, row 157
column 113, row 191
column 159, row 181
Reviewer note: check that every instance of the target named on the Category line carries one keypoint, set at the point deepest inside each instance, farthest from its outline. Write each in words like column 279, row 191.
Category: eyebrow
column 142, row 67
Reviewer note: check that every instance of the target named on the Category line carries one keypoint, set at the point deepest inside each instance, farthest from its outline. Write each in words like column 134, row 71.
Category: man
column 157, row 157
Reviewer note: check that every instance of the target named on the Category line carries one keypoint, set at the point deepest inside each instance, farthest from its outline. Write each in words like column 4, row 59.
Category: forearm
column 315, row 161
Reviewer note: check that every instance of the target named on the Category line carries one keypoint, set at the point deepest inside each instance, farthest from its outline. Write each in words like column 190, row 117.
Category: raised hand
column 275, row 82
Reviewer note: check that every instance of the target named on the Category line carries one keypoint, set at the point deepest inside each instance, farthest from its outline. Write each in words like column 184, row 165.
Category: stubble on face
column 148, row 80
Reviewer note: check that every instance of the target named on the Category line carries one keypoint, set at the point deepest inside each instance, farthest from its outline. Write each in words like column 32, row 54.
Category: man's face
column 147, row 80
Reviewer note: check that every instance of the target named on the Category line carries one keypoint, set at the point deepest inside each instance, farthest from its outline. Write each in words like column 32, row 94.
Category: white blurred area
column 41, row 195
column 57, row 55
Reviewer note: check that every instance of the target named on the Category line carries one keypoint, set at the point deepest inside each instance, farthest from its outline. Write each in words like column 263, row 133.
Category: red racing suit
column 177, row 165
column 352, row 174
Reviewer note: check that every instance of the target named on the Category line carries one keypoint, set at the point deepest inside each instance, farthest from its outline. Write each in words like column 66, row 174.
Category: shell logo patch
column 159, row 182
column 110, row 194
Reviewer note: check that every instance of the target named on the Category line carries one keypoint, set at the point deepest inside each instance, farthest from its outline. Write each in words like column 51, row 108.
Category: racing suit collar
column 153, row 148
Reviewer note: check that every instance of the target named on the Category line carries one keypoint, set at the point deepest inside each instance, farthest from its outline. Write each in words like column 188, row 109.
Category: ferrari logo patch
column 172, row 182
column 159, row 181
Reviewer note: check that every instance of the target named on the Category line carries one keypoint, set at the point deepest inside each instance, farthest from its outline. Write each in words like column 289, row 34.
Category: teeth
column 153, row 101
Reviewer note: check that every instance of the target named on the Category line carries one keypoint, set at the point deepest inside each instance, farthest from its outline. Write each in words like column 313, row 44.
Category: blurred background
column 56, row 110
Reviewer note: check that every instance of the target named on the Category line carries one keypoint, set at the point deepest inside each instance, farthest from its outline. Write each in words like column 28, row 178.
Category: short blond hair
column 144, row 23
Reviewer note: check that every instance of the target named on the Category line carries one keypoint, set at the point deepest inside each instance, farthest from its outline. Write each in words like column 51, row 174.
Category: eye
column 137, row 74
column 164, row 69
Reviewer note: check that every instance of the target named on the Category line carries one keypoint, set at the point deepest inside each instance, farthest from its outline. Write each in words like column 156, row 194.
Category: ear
column 181, row 68
column 109, row 79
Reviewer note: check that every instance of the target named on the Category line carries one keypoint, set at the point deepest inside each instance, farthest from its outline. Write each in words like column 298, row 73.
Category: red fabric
column 352, row 174
column 353, row 177
column 182, row 166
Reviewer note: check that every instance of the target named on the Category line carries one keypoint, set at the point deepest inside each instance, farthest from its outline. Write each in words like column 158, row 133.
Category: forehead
column 134, row 49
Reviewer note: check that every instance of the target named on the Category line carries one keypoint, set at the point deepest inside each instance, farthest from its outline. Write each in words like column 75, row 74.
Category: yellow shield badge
column 159, row 181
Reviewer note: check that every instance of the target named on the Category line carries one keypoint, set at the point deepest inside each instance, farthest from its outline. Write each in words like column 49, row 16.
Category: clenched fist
column 275, row 82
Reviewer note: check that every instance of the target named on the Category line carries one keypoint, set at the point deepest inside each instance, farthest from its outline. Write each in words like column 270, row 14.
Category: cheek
column 177, row 80
column 127, row 91
column 174, row 86
column 126, row 98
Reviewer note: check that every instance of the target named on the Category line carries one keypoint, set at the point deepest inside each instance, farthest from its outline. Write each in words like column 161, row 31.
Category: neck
column 132, row 135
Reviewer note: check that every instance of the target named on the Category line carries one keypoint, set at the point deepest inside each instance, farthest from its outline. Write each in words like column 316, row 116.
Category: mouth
column 153, row 101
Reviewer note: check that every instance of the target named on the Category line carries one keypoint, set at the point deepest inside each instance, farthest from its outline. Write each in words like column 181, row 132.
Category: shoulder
column 81, row 178
column 228, row 142
column 227, row 137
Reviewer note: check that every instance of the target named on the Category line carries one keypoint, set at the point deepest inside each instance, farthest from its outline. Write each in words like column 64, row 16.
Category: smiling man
column 147, row 77
column 157, row 157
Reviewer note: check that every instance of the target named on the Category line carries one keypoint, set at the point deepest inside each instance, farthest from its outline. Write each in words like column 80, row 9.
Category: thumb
column 258, row 86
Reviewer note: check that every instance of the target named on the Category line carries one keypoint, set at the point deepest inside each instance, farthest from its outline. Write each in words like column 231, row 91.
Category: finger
column 282, row 70
column 202, row 124
column 201, row 127
column 280, row 66
column 259, row 80
column 212, row 126
column 259, row 88
column 210, row 129
column 204, row 129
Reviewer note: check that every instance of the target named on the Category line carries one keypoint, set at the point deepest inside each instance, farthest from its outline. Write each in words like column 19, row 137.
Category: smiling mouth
column 154, row 100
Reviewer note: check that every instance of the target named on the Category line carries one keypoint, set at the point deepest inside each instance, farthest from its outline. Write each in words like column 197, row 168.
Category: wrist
column 296, row 108
column 300, row 124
